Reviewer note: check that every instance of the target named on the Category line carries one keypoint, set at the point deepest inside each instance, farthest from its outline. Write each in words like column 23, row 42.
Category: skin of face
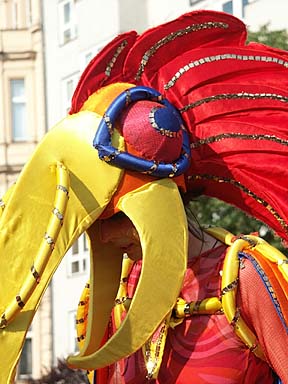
column 120, row 231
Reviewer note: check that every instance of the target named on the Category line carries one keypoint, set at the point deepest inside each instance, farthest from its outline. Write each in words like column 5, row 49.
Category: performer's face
column 120, row 231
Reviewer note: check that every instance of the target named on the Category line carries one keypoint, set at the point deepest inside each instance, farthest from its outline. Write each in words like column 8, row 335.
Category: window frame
column 69, row 26
column 78, row 255
column 16, row 101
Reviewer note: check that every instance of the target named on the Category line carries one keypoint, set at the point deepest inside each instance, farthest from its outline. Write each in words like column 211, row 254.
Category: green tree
column 276, row 39
column 62, row 374
column 209, row 211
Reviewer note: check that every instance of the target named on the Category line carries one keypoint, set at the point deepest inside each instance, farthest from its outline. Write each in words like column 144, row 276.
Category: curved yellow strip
column 207, row 306
column 121, row 305
column 46, row 247
column 271, row 253
column 221, row 234
column 229, row 289
column 164, row 242
column 24, row 220
column 81, row 315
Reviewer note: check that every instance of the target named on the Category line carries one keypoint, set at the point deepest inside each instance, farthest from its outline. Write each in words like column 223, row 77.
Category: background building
column 22, row 125
column 44, row 47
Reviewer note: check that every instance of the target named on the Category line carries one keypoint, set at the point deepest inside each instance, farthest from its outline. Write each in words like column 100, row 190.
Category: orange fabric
column 131, row 181
column 204, row 348
column 279, row 284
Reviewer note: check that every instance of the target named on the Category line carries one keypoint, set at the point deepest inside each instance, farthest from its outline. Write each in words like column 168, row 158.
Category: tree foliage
column 209, row 211
column 62, row 374
column 276, row 39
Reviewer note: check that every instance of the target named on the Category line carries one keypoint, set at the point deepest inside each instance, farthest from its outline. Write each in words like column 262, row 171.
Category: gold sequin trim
column 230, row 287
column 20, row 302
column 235, row 318
column 63, row 189
column 241, row 136
column 81, row 337
column 151, row 361
column 121, row 300
column 237, row 184
column 172, row 36
column 114, row 58
column 49, row 240
column 236, row 96
column 108, row 123
column 162, row 131
column 3, row 321
column 58, row 214
column 225, row 56
column 35, row 274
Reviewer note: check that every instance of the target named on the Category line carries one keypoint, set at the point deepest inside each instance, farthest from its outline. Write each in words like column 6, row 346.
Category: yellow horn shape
column 27, row 216
column 164, row 242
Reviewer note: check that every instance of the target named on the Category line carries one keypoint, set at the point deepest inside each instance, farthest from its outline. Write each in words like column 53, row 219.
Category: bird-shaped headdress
column 187, row 105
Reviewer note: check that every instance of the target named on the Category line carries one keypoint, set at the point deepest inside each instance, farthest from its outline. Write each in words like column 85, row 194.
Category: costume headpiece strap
column 108, row 153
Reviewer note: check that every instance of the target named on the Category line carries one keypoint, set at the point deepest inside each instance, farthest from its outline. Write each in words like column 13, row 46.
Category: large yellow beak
column 61, row 191
column 157, row 212
column 60, row 194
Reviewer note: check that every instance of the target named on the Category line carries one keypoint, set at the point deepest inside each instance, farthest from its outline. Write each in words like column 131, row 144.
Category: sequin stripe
column 240, row 136
column 224, row 56
column 112, row 62
column 172, row 36
column 240, row 186
column 235, row 96
column 267, row 283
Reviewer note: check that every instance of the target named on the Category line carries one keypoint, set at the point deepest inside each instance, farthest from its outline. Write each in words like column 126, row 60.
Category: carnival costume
column 185, row 106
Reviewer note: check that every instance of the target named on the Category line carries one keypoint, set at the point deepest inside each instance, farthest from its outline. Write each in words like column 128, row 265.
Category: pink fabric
column 205, row 349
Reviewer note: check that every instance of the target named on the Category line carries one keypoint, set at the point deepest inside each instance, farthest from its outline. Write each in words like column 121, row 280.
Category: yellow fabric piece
column 164, row 241
column 230, row 275
column 25, row 218
column 122, row 301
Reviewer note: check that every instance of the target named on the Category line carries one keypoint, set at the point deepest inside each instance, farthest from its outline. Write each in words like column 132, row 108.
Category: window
column 228, row 7
column 15, row 15
column 67, row 21
column 25, row 365
column 72, row 335
column 78, row 259
column 69, row 85
column 18, row 110
column 244, row 4
column 28, row 13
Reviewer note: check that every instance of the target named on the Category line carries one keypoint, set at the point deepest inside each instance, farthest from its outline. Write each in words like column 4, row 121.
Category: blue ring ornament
column 110, row 154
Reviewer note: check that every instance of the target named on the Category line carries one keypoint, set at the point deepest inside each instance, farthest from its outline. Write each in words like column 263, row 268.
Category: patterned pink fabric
column 204, row 348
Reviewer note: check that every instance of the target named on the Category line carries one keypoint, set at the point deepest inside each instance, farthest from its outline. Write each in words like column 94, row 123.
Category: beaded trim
column 237, row 184
column 268, row 285
column 62, row 188
column 162, row 131
column 49, row 240
column 121, row 300
column 172, row 36
column 111, row 63
column 225, row 56
column 151, row 362
column 241, row 136
column 20, row 303
column 35, row 274
column 233, row 96
column 230, row 287
column 58, row 214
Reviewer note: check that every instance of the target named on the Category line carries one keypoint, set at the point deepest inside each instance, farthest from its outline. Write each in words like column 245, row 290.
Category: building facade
column 44, row 47
column 22, row 125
